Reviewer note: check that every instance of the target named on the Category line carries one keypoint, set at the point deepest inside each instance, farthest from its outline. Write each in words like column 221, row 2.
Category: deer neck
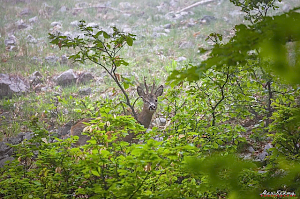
column 145, row 117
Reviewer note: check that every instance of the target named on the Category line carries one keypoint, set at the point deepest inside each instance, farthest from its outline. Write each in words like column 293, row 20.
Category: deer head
column 150, row 103
column 144, row 118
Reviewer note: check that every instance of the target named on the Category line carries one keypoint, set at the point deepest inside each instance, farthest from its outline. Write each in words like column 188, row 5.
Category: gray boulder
column 85, row 77
column 66, row 78
column 10, row 85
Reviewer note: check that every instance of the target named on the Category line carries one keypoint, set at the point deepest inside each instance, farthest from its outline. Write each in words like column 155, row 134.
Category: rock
column 157, row 29
column 45, row 89
column 262, row 156
column 63, row 9
column 79, row 35
column 10, row 41
column 180, row 59
column 127, row 30
column 163, row 7
column 184, row 13
column 56, row 23
column 33, row 19
column 5, row 160
column 36, row 60
column 35, row 78
column 81, row 4
column 52, row 59
column 93, row 25
column 75, row 23
column 10, row 85
column 31, row 39
column 85, row 91
column 125, row 5
column 173, row 16
column 68, row 34
column 207, row 19
column 286, row 7
column 174, row 3
column 250, row 149
column 267, row 147
column 186, row 45
column 161, row 121
column 158, row 138
column 66, row 78
column 46, row 9
column 26, row 11
column 21, row 24
column 64, row 131
column 6, row 151
column 64, row 59
column 191, row 23
column 155, row 34
column 246, row 156
column 167, row 26
column 85, row 77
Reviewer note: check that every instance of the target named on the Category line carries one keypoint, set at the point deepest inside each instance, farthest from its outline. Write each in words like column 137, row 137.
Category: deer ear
column 140, row 91
column 159, row 91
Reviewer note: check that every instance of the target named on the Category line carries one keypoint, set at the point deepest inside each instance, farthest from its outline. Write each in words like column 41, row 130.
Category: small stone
column 93, row 25
column 75, row 23
column 186, row 45
column 21, row 24
column 267, row 147
column 125, row 5
column 85, row 91
column 63, row 9
column 262, row 156
column 33, row 19
column 63, row 59
column 36, row 60
column 162, row 121
column 167, row 26
column 26, row 11
column 31, row 39
column 180, row 59
column 52, row 59
column 85, row 77
column 81, row 4
column 207, row 19
column 56, row 23
column 250, row 149
column 286, row 7
column 10, row 41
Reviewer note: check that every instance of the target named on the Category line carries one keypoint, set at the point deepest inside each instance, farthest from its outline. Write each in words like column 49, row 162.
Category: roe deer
column 144, row 117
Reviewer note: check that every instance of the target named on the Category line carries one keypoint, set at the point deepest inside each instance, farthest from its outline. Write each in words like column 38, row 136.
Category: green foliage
column 255, row 9
column 235, row 97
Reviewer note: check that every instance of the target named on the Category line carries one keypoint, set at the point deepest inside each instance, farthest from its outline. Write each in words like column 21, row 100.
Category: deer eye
column 156, row 100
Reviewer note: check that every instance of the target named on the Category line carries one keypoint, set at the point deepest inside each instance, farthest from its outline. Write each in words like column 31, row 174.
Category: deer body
column 144, row 117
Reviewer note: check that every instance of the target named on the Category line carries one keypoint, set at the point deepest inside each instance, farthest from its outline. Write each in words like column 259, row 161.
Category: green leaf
column 129, row 40
column 126, row 86
column 96, row 173
column 105, row 35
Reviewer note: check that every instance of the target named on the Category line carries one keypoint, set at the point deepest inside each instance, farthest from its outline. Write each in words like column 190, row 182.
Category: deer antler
column 153, row 86
column 146, row 87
